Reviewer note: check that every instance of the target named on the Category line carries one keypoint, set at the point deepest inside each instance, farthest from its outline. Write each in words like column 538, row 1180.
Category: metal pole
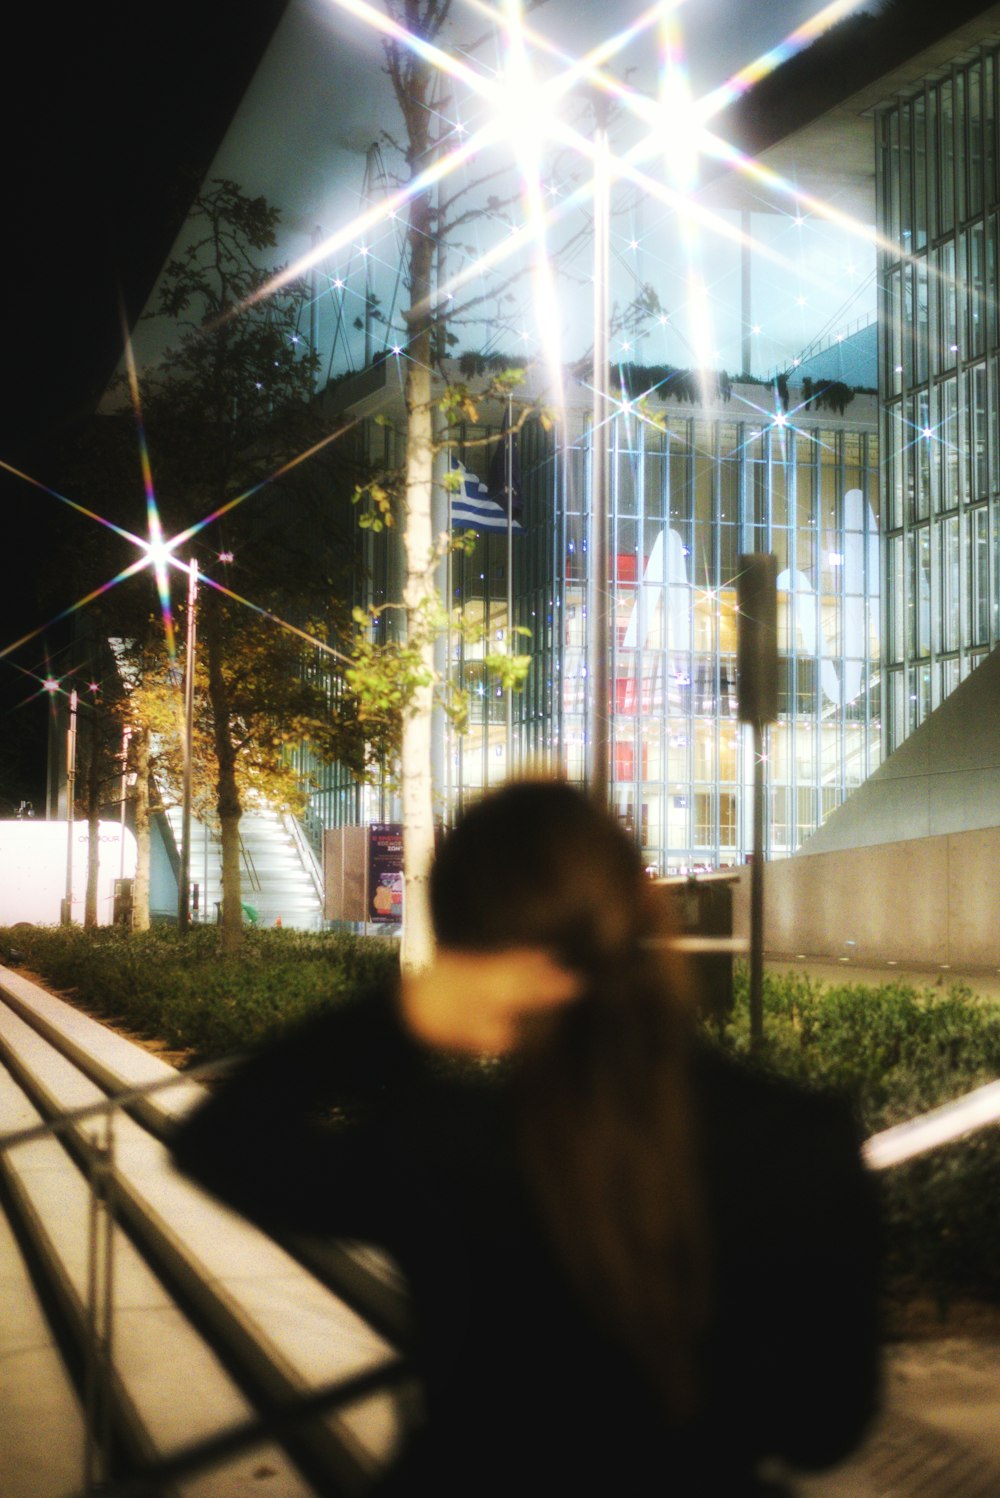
column 757, row 893
column 508, row 471
column 67, row 910
column 184, row 876
column 369, row 294
column 126, row 739
column 99, row 1310
column 317, row 236
column 599, row 632
column 746, row 310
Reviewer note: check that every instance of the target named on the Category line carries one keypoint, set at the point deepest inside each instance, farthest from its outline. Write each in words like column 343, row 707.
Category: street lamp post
column 184, row 876
column 67, row 904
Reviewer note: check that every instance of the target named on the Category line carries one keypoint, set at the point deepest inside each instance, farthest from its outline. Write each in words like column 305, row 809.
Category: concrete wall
column 927, row 900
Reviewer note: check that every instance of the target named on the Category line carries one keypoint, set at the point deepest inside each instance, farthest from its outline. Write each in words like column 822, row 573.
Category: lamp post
column 599, row 610
column 67, row 904
column 184, row 876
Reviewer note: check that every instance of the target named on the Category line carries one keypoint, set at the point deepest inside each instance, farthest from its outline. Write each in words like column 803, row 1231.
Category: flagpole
column 509, row 489
column 599, row 600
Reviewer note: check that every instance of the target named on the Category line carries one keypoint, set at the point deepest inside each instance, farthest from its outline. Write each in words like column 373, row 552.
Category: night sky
column 110, row 114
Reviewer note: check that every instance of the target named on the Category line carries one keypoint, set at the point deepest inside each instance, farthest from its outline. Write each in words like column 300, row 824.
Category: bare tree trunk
column 93, row 824
column 416, row 770
column 140, row 888
column 416, row 775
column 227, row 792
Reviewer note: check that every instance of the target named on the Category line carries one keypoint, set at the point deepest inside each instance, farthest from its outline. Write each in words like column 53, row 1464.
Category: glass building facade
column 688, row 495
column 939, row 213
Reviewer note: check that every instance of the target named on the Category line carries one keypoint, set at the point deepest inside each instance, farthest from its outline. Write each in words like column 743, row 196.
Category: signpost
column 757, row 691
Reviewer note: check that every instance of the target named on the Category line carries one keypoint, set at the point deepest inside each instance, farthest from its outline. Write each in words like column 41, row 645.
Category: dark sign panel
column 385, row 873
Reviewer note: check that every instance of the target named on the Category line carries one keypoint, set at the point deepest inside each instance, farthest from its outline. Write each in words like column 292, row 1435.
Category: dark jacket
column 348, row 1127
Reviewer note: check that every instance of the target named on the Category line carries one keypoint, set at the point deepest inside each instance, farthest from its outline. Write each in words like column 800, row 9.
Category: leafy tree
column 226, row 410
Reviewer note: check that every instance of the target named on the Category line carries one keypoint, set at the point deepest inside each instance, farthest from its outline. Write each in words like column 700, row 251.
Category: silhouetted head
column 539, row 864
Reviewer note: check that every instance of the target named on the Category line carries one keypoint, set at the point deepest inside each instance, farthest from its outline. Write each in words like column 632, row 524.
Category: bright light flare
column 803, row 36
column 678, row 123
column 588, row 69
column 130, row 571
column 158, row 553
column 507, row 123
column 292, row 629
column 523, row 112
column 72, row 504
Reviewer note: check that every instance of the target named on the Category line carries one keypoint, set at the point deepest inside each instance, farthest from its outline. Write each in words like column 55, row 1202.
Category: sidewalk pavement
column 939, row 1432
column 983, row 981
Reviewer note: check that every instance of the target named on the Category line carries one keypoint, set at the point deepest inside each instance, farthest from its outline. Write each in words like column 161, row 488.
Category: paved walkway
column 984, row 981
column 939, row 1434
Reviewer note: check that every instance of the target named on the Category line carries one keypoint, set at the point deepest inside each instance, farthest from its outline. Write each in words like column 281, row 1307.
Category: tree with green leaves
column 228, row 411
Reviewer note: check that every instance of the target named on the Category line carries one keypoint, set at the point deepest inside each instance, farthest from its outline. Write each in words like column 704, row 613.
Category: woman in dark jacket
column 634, row 1265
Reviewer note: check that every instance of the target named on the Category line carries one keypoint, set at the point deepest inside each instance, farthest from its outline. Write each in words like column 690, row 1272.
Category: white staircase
column 281, row 878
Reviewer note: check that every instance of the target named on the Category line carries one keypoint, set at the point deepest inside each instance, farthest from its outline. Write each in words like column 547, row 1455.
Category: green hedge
column 182, row 991
column 895, row 1050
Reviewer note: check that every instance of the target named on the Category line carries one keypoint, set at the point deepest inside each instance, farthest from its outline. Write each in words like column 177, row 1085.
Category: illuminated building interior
column 689, row 494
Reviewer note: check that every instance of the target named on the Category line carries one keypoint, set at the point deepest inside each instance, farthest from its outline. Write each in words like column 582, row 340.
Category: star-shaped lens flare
column 159, row 552
column 523, row 112
column 520, row 108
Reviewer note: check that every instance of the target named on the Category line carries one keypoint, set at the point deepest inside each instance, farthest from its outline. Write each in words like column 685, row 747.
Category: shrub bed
column 182, row 991
column 897, row 1051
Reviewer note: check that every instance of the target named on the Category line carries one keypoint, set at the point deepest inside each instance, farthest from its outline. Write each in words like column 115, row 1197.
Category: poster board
column 363, row 874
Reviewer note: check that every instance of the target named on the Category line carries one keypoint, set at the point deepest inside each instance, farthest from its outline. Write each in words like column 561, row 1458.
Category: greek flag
column 471, row 506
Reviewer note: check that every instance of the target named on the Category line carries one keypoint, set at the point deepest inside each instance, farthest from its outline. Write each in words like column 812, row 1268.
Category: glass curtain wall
column 687, row 497
column 686, row 500
column 334, row 797
column 938, row 202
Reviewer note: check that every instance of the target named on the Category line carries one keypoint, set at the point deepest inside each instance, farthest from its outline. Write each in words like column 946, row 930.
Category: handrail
column 113, row 1101
column 962, row 1116
column 240, row 1437
column 312, row 827
column 306, row 853
column 276, row 1417
column 250, row 866
column 975, row 1110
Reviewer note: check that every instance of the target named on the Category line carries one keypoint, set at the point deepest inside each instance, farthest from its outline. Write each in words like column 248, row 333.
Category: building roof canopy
column 810, row 122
